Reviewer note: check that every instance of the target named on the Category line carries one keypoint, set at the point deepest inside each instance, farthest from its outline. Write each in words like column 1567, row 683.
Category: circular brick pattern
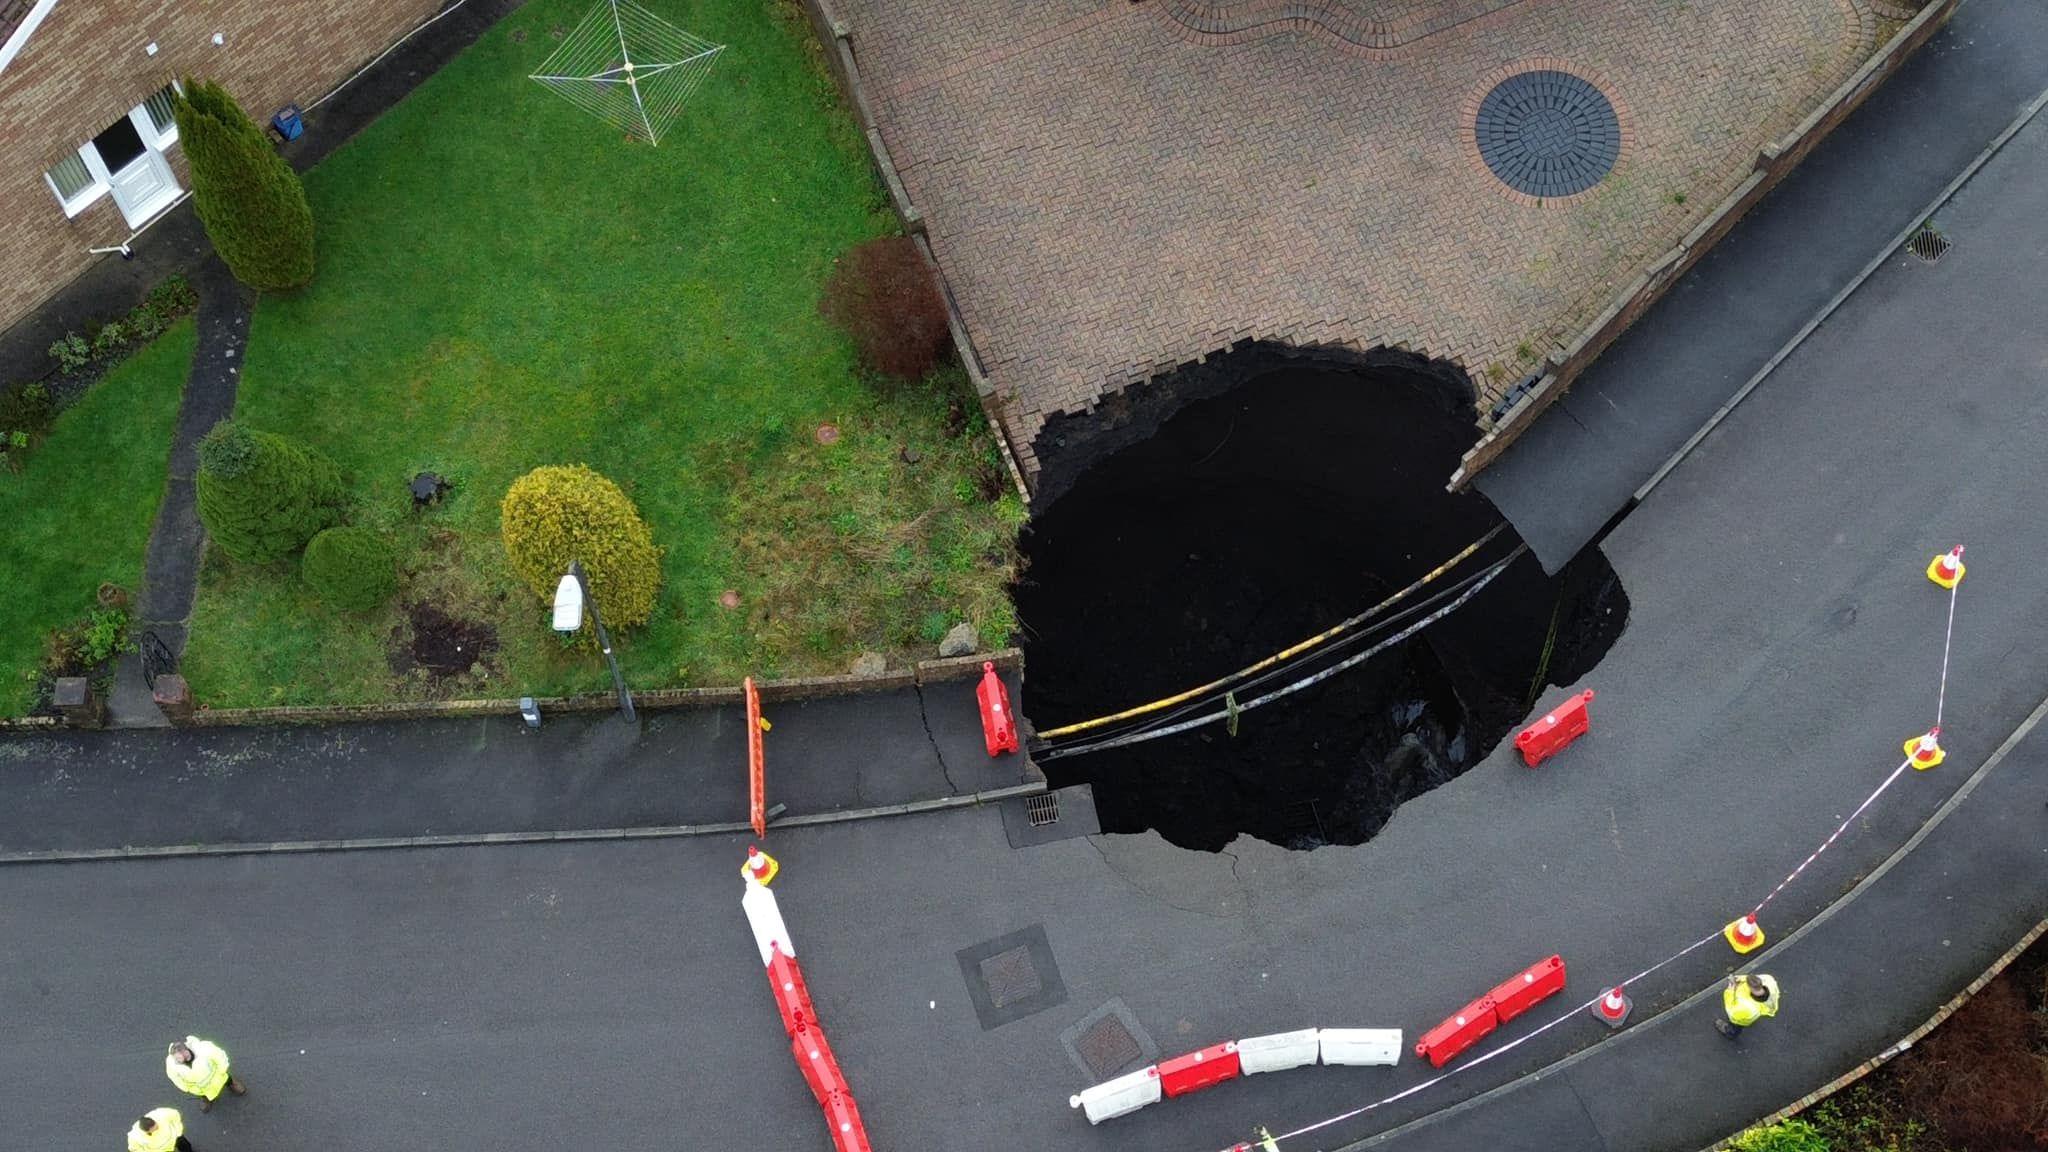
column 1547, row 134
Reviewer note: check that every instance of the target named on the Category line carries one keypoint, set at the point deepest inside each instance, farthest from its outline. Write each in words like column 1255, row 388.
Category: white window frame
column 91, row 192
column 102, row 180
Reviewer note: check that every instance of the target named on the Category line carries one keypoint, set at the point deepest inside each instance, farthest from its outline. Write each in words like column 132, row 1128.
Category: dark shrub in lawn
column 1979, row 1077
column 262, row 496
column 250, row 200
column 558, row 514
column 352, row 569
column 882, row 294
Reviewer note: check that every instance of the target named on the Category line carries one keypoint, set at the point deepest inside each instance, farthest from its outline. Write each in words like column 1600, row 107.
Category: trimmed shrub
column 562, row 513
column 262, row 496
column 882, row 294
column 352, row 569
column 250, row 200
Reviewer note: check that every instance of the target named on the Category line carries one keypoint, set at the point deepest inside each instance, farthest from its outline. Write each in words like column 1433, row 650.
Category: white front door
column 137, row 173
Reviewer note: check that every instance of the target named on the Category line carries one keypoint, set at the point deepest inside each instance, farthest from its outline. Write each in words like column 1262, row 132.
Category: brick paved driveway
column 1114, row 188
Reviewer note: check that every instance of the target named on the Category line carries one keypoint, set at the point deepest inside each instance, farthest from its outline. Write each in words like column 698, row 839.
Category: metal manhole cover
column 1927, row 244
column 1010, row 977
column 1043, row 809
column 1108, row 1047
column 1548, row 134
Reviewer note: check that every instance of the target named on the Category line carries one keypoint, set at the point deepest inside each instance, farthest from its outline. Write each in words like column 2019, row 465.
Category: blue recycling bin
column 288, row 123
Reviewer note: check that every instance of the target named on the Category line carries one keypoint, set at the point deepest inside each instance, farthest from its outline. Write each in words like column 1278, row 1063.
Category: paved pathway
column 1112, row 190
column 177, row 541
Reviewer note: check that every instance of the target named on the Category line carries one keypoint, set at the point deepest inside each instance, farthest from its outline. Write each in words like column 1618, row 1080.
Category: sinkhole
column 1231, row 509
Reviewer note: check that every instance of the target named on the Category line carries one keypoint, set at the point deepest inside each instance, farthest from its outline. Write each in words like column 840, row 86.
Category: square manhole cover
column 1107, row 1047
column 1108, row 1042
column 1010, row 977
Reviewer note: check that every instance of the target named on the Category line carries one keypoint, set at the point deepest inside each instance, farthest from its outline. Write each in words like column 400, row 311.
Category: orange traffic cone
column 1925, row 749
column 1612, row 1009
column 760, row 867
column 1947, row 569
column 1744, row 935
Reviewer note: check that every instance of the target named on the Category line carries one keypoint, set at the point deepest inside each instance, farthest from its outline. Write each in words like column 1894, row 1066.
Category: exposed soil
column 444, row 646
column 1248, row 522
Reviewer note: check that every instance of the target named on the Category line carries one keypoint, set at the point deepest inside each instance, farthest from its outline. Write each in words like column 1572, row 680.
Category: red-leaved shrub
column 882, row 294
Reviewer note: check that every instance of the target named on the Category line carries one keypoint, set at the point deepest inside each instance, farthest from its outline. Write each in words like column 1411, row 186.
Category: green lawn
column 504, row 282
column 79, row 512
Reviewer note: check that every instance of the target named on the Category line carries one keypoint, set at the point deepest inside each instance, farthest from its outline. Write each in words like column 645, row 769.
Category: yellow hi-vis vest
column 1744, row 1010
column 169, row 1126
column 206, row 1075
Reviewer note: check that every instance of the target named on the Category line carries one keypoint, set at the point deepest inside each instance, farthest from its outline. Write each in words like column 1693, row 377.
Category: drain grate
column 1043, row 809
column 1010, row 977
column 1928, row 244
column 1108, row 1047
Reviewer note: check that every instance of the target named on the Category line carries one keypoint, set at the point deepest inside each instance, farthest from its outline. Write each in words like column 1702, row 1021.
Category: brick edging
column 1774, row 161
column 654, row 699
column 837, row 40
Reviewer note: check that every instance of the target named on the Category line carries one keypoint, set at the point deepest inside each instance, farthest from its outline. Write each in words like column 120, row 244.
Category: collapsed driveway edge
column 487, row 839
column 1635, row 1031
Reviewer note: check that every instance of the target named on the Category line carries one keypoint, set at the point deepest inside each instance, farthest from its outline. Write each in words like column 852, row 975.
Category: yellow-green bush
column 561, row 513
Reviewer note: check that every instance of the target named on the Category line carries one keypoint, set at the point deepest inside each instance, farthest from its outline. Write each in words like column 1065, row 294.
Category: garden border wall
column 1774, row 161
column 836, row 39
column 772, row 691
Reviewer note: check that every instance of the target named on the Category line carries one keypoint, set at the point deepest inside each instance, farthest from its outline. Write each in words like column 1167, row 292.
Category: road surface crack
column 938, row 753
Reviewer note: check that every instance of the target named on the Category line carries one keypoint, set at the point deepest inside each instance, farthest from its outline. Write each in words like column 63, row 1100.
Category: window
column 78, row 180
column 158, row 109
column 69, row 177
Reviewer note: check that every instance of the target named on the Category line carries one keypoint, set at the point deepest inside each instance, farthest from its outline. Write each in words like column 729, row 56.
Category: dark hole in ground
column 1251, row 521
column 445, row 645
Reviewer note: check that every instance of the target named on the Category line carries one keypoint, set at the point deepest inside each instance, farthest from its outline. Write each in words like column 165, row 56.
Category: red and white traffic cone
column 1745, row 934
column 1947, row 569
column 1612, row 1009
column 760, row 867
column 1925, row 750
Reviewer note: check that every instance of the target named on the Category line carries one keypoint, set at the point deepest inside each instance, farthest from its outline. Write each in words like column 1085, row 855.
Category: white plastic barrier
column 765, row 918
column 1277, row 1052
column 1361, row 1045
column 1119, row 1097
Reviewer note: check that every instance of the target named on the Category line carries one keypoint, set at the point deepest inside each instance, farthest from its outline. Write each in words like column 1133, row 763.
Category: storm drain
column 1043, row 809
column 1928, row 244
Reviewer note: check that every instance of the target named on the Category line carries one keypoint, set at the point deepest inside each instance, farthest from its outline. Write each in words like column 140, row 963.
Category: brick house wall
column 86, row 65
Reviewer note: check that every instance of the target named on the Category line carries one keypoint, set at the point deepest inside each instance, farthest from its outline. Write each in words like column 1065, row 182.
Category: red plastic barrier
column 998, row 724
column 757, row 763
column 843, row 1116
column 1199, row 1069
column 1548, row 736
column 820, row 1067
column 792, row 996
column 1467, row 1027
column 1536, row 983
